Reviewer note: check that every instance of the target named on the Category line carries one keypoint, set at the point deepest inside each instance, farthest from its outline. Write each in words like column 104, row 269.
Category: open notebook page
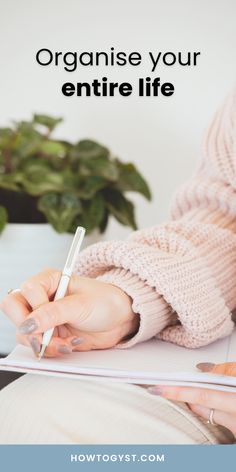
column 147, row 362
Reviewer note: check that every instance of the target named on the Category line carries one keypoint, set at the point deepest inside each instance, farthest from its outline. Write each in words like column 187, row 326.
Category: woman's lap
column 49, row 410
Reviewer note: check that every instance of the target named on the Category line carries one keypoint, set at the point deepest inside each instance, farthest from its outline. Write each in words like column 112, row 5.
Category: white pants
column 48, row 410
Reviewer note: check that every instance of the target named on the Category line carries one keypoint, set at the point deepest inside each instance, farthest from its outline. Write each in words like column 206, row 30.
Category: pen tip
column 43, row 348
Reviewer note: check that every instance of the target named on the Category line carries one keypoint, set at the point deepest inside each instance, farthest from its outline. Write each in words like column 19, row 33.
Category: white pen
column 64, row 280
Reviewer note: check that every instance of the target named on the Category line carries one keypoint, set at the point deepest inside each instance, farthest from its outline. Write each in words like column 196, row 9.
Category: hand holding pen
column 91, row 315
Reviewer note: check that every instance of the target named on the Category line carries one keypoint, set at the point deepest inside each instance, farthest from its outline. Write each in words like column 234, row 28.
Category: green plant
column 71, row 183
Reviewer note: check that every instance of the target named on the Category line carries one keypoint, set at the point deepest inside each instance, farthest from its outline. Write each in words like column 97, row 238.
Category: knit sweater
column 181, row 275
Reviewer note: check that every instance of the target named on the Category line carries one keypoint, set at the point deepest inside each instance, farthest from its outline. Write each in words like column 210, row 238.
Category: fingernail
column 77, row 341
column 63, row 349
column 157, row 390
column 205, row 366
column 28, row 326
column 35, row 344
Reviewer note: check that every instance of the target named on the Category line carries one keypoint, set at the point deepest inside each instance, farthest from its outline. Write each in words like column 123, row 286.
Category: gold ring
column 211, row 420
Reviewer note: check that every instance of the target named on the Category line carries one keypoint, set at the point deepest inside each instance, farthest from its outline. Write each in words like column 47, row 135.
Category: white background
column 161, row 135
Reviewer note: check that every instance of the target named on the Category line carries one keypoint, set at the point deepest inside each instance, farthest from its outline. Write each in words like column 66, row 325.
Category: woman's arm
column 180, row 277
column 185, row 269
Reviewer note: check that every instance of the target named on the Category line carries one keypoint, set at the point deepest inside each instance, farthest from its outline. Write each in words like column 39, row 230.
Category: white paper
column 151, row 362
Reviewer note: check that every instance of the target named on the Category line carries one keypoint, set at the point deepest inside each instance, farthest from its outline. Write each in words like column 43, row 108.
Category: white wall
column 162, row 136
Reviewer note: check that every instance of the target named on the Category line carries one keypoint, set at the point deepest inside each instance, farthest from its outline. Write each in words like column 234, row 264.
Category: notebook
column 152, row 362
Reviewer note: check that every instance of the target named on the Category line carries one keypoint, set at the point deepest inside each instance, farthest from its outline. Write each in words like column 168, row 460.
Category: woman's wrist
column 133, row 327
column 130, row 328
column 150, row 312
column 122, row 305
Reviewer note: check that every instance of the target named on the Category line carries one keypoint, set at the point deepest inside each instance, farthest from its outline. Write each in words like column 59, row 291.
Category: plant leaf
column 92, row 214
column 52, row 148
column 99, row 167
column 87, row 187
column 94, row 159
column 120, row 207
column 25, row 142
column 6, row 135
column 3, row 218
column 38, row 179
column 131, row 180
column 47, row 121
column 86, row 148
column 60, row 210
column 10, row 181
column 84, row 187
column 104, row 222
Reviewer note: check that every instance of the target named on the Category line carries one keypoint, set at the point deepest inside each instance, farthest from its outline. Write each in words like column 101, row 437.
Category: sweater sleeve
column 181, row 275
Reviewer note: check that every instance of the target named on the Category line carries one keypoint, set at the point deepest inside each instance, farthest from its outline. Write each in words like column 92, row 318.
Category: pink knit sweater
column 181, row 275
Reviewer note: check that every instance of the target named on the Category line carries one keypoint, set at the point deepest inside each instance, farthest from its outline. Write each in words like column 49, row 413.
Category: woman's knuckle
column 27, row 286
column 52, row 274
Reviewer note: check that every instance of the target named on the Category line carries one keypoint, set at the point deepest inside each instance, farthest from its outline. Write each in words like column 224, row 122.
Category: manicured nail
column 28, row 326
column 157, row 390
column 77, row 341
column 63, row 349
column 205, row 366
column 36, row 346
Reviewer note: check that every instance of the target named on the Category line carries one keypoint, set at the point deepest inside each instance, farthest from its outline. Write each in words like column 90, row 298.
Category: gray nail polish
column 28, row 326
column 35, row 344
column 77, row 341
column 63, row 349
column 205, row 366
column 155, row 390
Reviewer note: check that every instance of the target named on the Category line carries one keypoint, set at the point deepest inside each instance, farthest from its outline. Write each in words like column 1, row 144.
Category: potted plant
column 47, row 188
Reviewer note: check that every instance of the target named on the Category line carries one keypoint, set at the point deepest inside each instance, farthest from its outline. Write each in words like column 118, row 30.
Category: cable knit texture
column 181, row 275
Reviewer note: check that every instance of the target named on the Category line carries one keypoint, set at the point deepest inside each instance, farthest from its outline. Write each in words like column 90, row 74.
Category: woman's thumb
column 228, row 368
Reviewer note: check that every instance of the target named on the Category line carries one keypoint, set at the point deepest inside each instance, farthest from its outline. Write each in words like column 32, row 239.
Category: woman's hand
column 201, row 400
column 93, row 314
